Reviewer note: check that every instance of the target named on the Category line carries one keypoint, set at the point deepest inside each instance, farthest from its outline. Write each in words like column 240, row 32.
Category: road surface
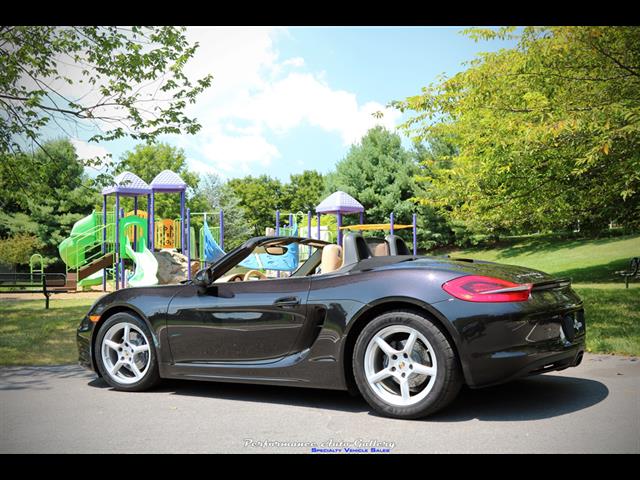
column 592, row 408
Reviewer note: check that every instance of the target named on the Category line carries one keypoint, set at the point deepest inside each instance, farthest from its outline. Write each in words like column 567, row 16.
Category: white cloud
column 201, row 167
column 237, row 153
column 301, row 97
column 254, row 93
column 87, row 151
column 294, row 62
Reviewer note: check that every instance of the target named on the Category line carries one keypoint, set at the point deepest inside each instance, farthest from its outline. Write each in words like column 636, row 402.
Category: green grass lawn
column 612, row 316
column 31, row 335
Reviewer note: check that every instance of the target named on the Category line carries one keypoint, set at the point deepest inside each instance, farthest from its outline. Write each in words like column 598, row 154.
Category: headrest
column 331, row 258
column 397, row 245
column 354, row 248
column 381, row 249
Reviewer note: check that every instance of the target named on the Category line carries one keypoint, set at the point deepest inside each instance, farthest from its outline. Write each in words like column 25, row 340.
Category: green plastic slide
column 93, row 279
column 145, row 263
column 83, row 236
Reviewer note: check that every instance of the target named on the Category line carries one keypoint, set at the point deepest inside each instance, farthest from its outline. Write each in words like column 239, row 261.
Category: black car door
column 251, row 321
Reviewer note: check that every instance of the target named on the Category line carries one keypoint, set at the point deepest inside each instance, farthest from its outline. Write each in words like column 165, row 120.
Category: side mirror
column 203, row 278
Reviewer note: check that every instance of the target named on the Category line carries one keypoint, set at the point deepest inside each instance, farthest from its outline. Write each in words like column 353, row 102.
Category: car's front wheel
column 125, row 353
column 404, row 366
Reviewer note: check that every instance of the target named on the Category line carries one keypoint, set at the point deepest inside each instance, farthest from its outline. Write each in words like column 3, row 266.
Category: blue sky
column 288, row 99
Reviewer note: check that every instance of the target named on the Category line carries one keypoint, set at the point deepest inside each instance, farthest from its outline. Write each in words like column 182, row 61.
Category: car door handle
column 287, row 301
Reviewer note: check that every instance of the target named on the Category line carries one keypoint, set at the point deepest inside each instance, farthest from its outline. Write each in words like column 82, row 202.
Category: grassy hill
column 585, row 261
column 613, row 312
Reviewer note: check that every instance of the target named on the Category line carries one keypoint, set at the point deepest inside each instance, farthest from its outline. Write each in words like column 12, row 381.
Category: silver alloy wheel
column 126, row 353
column 402, row 374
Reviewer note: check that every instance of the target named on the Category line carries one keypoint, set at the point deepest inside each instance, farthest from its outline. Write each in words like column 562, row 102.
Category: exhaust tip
column 578, row 360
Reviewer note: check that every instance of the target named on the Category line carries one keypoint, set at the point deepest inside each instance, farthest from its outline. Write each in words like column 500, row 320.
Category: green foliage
column 127, row 82
column 259, row 198
column 58, row 195
column 434, row 230
column 379, row 174
column 546, row 134
column 147, row 161
column 304, row 191
column 219, row 195
column 17, row 249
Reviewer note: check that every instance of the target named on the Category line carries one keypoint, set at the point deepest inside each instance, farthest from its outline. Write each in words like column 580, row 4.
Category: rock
column 172, row 266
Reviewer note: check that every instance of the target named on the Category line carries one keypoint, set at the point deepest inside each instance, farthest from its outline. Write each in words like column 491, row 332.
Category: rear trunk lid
column 512, row 273
column 548, row 292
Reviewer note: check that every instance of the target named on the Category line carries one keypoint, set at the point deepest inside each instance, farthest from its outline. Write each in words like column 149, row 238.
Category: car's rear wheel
column 404, row 366
column 125, row 353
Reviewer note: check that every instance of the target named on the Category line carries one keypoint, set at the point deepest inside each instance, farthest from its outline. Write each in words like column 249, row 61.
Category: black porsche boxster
column 404, row 331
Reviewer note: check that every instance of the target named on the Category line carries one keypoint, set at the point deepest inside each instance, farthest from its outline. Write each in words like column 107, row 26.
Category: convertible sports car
column 405, row 331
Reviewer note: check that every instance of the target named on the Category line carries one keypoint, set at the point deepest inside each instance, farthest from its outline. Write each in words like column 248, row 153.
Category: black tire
column 151, row 377
column 448, row 378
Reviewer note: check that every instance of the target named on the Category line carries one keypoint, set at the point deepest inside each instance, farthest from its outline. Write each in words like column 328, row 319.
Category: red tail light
column 477, row 288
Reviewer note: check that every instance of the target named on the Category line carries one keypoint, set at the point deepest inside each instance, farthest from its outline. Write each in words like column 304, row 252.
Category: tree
column 434, row 229
column 259, row 199
column 17, row 249
column 218, row 196
column 547, row 133
column 120, row 81
column 59, row 195
column 147, row 161
column 379, row 174
column 304, row 191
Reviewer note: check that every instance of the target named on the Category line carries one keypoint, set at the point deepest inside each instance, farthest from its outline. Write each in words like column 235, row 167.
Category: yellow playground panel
column 165, row 234
column 376, row 226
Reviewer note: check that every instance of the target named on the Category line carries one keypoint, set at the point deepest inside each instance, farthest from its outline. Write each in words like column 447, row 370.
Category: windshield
column 269, row 258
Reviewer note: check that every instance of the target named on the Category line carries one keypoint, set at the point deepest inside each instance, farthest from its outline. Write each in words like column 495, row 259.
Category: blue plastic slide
column 212, row 251
column 263, row 261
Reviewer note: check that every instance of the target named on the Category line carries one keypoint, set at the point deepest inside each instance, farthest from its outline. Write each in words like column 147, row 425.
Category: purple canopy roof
column 339, row 202
column 168, row 181
column 128, row 184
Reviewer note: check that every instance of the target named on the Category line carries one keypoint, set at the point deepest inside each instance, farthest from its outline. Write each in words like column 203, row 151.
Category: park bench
column 633, row 272
column 45, row 283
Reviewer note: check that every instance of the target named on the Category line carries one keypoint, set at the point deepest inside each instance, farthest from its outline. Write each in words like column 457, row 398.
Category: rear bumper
column 503, row 367
column 501, row 342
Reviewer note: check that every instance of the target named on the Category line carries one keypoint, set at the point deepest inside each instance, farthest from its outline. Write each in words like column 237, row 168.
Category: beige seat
column 234, row 277
column 381, row 250
column 331, row 258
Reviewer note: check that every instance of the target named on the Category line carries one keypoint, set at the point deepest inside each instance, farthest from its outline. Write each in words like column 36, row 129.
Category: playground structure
column 103, row 244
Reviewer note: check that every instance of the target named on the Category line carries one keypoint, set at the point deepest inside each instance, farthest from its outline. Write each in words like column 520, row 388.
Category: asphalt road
column 592, row 408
